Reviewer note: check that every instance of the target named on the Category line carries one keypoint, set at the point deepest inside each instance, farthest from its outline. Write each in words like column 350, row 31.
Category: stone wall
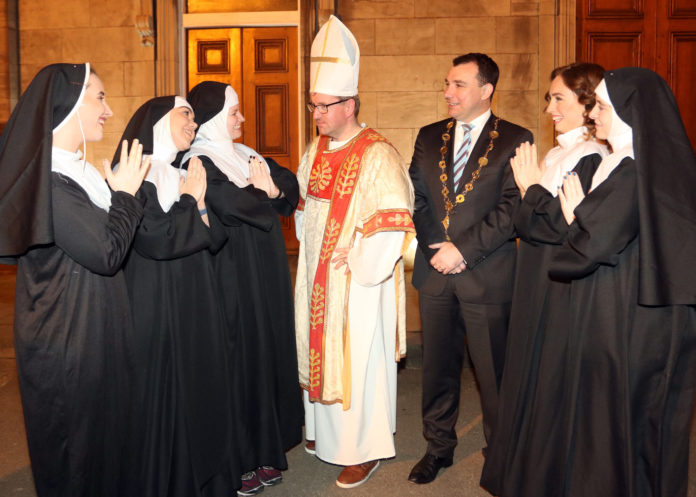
column 96, row 31
column 407, row 47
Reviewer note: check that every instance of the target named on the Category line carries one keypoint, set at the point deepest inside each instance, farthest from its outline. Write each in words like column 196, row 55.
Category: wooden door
column 656, row 34
column 676, row 56
column 261, row 65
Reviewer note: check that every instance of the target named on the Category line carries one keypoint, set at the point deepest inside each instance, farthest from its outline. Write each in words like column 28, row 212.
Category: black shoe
column 426, row 469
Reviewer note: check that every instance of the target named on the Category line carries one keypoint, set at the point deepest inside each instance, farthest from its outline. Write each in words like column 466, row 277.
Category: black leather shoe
column 426, row 469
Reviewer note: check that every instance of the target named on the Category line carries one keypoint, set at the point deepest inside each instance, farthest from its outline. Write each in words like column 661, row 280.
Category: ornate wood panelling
column 213, row 56
column 682, row 8
column 682, row 75
column 603, row 9
column 662, row 39
column 613, row 50
column 271, row 119
column 270, row 99
column 271, row 55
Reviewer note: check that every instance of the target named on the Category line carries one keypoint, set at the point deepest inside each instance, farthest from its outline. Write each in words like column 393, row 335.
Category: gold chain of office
column 482, row 161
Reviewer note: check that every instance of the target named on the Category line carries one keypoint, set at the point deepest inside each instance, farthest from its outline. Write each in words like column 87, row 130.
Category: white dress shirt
column 478, row 123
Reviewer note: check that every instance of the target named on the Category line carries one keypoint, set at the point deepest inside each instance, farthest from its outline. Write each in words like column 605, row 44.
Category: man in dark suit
column 465, row 262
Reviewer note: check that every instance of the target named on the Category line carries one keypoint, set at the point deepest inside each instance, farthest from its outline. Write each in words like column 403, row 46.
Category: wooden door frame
column 557, row 28
column 172, row 24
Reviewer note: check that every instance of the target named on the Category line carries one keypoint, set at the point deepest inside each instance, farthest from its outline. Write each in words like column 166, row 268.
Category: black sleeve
column 429, row 229
column 606, row 222
column 95, row 239
column 217, row 232
column 286, row 182
column 169, row 235
column 496, row 227
column 539, row 218
column 233, row 205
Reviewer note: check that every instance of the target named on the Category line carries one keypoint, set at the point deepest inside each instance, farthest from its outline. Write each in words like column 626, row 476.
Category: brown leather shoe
column 355, row 475
column 310, row 447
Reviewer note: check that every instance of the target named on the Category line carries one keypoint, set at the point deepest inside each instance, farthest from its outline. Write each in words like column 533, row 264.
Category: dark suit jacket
column 481, row 227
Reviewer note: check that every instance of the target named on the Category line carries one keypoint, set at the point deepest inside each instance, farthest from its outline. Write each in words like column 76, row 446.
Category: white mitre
column 335, row 61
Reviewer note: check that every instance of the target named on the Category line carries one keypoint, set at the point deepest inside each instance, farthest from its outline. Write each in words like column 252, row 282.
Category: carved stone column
column 565, row 32
column 168, row 48
column 557, row 32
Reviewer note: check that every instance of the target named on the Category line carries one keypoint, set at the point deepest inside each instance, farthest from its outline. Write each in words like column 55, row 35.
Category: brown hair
column 581, row 78
column 356, row 99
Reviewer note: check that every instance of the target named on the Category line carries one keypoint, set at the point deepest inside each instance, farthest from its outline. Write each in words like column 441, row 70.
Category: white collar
column 572, row 137
column 84, row 174
column 336, row 144
column 479, row 121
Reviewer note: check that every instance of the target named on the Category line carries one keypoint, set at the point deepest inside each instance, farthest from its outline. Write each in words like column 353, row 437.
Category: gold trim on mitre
column 334, row 60
column 323, row 51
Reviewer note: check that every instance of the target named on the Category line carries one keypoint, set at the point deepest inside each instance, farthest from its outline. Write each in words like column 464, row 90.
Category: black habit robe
column 72, row 337
column 72, row 326
column 529, row 421
column 256, row 290
column 260, row 314
column 183, row 413
column 621, row 426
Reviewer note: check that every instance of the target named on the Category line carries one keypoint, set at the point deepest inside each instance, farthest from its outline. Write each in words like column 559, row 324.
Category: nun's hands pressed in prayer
column 260, row 177
column 195, row 183
column 526, row 167
column 570, row 195
column 131, row 170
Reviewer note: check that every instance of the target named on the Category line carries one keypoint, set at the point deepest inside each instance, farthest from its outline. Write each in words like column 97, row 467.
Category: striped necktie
column 462, row 155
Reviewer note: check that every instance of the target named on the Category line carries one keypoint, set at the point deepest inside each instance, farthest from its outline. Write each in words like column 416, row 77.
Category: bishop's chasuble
column 351, row 196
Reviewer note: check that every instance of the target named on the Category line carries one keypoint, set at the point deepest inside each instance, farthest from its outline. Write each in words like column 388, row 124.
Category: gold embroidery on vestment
column 332, row 231
column 320, row 177
column 314, row 368
column 316, row 316
column 349, row 173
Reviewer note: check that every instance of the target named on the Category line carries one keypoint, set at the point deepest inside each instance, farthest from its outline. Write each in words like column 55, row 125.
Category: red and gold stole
column 333, row 177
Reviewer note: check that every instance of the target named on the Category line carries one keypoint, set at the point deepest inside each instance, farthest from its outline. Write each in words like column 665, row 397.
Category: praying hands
column 260, row 177
column 526, row 167
column 570, row 195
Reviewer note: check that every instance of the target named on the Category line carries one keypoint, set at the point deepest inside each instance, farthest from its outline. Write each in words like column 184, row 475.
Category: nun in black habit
column 182, row 377
column 247, row 193
column 530, row 419
column 629, row 258
column 69, row 232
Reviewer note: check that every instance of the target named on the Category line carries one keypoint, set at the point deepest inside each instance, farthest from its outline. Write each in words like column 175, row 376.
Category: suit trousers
column 449, row 325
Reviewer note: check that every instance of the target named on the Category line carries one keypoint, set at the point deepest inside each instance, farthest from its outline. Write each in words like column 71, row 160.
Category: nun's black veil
column 666, row 179
column 207, row 99
column 25, row 157
column 142, row 123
